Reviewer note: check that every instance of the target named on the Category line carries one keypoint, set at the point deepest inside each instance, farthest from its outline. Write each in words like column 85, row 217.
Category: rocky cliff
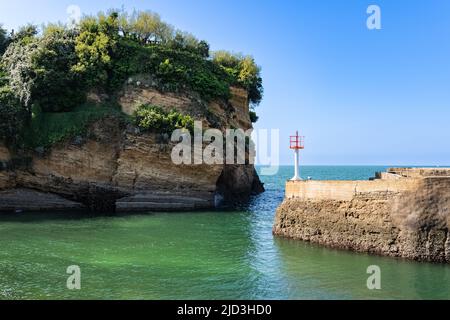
column 403, row 213
column 116, row 167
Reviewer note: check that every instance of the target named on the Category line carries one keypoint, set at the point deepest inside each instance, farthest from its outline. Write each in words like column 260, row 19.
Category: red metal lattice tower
column 297, row 142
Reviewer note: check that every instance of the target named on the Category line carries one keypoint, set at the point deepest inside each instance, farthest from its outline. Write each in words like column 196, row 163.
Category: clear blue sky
column 359, row 96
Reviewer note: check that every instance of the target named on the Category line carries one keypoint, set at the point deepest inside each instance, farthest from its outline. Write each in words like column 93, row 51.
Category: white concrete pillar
column 296, row 161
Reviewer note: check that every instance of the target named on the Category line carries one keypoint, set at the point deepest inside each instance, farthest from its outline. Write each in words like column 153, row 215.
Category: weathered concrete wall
column 406, row 217
column 344, row 190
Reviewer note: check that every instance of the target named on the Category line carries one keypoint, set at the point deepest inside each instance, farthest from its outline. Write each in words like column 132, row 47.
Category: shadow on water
column 32, row 217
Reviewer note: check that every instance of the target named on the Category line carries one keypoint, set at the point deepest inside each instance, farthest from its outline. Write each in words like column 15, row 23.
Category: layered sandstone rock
column 6, row 176
column 29, row 200
column 217, row 114
column 118, row 168
column 406, row 214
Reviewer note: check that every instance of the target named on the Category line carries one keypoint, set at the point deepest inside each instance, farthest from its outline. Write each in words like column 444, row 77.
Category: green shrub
column 244, row 71
column 48, row 128
column 94, row 48
column 253, row 117
column 53, row 70
column 4, row 39
column 40, row 71
column 3, row 78
column 154, row 119
column 178, row 69
column 12, row 117
column 25, row 33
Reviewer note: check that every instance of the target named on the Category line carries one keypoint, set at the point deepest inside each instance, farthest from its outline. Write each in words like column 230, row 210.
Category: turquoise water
column 226, row 254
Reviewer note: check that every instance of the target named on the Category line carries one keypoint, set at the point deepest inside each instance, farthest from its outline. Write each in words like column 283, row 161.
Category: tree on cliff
column 40, row 71
column 4, row 39
column 94, row 48
column 25, row 33
column 147, row 27
column 11, row 117
column 246, row 72
column 17, row 61
column 55, row 68
column 52, row 71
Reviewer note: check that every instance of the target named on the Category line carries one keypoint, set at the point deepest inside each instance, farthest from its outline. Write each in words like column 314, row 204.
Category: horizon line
column 361, row 165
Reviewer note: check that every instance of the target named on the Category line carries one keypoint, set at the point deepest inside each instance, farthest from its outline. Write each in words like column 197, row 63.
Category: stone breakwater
column 403, row 212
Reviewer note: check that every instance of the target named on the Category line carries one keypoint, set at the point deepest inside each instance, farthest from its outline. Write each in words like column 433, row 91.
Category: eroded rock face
column 409, row 219
column 6, row 176
column 239, row 181
column 30, row 200
column 215, row 114
column 117, row 167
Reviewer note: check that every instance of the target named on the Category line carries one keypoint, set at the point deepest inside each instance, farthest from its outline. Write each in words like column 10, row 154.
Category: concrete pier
column 404, row 212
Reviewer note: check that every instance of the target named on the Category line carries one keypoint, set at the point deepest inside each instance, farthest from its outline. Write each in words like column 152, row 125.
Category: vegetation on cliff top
column 153, row 118
column 48, row 128
column 53, row 70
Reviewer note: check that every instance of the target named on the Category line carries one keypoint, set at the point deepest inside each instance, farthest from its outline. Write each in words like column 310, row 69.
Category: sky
column 359, row 96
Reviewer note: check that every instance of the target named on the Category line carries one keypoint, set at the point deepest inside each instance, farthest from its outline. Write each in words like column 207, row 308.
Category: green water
column 227, row 254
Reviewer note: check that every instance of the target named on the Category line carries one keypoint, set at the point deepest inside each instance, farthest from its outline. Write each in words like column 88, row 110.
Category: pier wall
column 404, row 214
column 345, row 190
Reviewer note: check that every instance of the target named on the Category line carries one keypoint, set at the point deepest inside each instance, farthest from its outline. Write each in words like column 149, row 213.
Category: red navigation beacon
column 297, row 142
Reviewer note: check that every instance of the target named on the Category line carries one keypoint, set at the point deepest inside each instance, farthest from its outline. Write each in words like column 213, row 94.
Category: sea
column 228, row 253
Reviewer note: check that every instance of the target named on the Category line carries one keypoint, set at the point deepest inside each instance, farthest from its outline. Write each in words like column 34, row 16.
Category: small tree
column 12, row 117
column 4, row 39
column 227, row 59
column 203, row 49
column 40, row 71
column 26, row 33
column 245, row 72
column 253, row 117
column 250, row 78
column 125, row 24
column 94, row 47
column 18, row 64
column 147, row 27
column 56, row 86
column 188, row 42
